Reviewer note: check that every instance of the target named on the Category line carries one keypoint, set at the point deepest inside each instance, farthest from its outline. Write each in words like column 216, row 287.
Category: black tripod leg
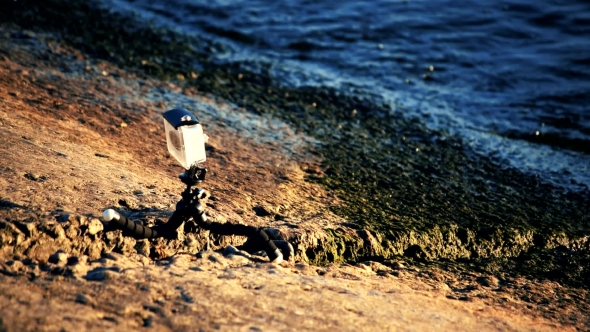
column 140, row 231
column 254, row 234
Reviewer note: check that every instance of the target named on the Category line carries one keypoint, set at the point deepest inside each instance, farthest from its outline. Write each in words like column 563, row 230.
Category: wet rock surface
column 414, row 200
column 403, row 183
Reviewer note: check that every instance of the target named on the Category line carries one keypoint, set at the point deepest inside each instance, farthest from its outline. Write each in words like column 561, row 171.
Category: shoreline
column 321, row 238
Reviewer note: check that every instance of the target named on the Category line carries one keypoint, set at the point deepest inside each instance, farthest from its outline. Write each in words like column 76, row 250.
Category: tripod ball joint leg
column 254, row 234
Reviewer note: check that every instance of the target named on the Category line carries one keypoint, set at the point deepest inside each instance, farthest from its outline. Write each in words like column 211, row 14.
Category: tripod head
column 193, row 176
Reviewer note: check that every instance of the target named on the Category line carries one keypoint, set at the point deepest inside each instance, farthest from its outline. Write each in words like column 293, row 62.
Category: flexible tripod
column 190, row 207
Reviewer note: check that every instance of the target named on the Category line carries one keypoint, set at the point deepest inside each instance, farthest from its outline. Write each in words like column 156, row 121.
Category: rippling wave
column 511, row 77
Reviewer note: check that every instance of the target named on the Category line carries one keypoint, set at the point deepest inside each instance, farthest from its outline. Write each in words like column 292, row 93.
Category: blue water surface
column 497, row 73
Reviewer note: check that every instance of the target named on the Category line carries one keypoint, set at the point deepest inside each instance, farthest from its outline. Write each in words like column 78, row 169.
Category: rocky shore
column 81, row 129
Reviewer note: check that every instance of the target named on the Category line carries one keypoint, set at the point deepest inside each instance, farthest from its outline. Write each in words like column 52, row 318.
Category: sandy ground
column 79, row 135
column 187, row 293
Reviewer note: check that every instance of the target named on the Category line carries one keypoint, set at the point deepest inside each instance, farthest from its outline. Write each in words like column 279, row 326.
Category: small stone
column 16, row 266
column 77, row 270
column 84, row 299
column 81, row 220
column 365, row 266
column 95, row 226
column 123, row 125
column 71, row 232
column 143, row 247
column 138, row 192
column 262, row 211
column 489, row 281
column 127, row 246
column 95, row 250
column 148, row 322
column 31, row 176
column 56, row 232
column 378, row 267
column 100, row 274
column 215, row 257
column 74, row 260
column 398, row 265
column 59, row 257
column 181, row 261
column 230, row 250
column 65, row 217
column 29, row 228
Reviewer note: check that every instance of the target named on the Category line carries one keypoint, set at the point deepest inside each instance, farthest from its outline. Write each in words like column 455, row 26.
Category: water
column 510, row 77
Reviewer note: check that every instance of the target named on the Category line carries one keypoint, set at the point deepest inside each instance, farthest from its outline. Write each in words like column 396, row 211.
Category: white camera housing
column 184, row 137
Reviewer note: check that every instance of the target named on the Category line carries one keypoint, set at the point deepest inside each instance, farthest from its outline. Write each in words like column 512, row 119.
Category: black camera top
column 178, row 117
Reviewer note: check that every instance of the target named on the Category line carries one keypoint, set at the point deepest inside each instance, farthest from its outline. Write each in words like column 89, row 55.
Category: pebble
column 262, row 211
column 95, row 226
column 56, row 231
column 378, row 267
column 59, row 257
column 230, row 250
column 489, row 281
column 63, row 217
column 74, row 260
column 215, row 257
column 84, row 299
column 71, row 232
column 143, row 247
column 398, row 265
column 16, row 266
column 100, row 274
column 95, row 250
column 81, row 220
column 127, row 246
column 148, row 322
column 29, row 228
